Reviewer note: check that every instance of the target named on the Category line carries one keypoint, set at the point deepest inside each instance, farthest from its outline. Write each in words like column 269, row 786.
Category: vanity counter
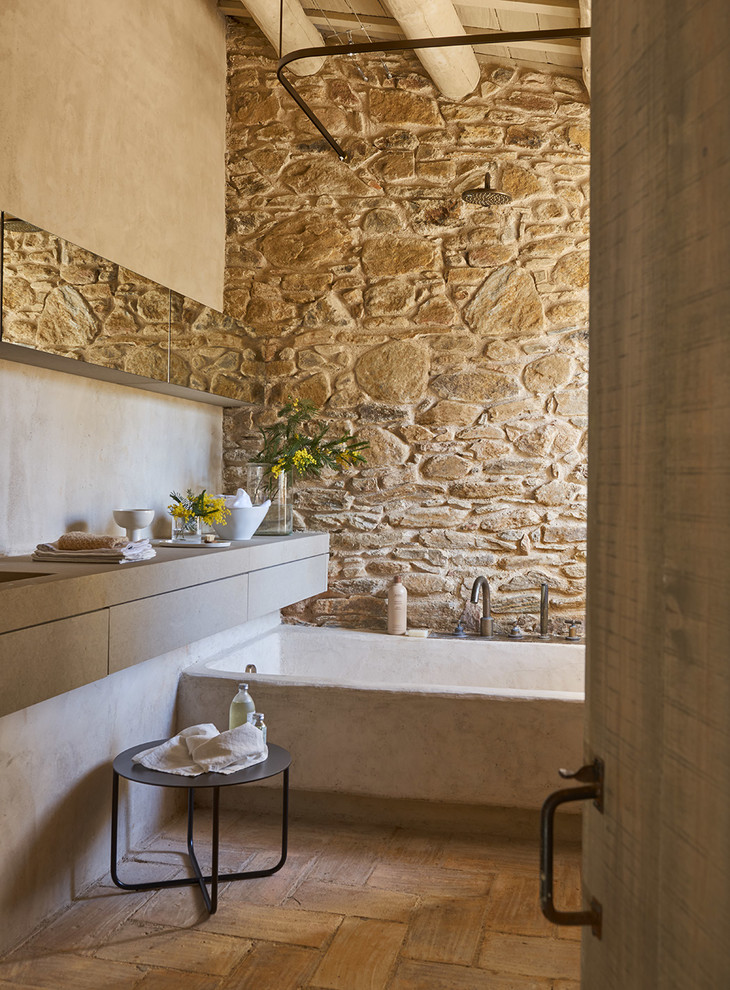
column 75, row 623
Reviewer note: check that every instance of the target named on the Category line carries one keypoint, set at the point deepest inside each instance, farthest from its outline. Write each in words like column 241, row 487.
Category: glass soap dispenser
column 241, row 707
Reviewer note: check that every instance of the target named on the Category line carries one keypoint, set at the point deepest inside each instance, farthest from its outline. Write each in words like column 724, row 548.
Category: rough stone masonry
column 452, row 337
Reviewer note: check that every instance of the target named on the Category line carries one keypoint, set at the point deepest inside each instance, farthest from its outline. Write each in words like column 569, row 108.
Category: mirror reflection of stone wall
column 61, row 299
column 208, row 351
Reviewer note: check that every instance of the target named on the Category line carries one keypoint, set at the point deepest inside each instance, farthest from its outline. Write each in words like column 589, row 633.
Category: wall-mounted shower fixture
column 14, row 225
column 410, row 44
column 486, row 196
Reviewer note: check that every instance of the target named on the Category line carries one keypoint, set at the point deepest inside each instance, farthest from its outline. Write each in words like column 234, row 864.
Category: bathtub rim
column 434, row 690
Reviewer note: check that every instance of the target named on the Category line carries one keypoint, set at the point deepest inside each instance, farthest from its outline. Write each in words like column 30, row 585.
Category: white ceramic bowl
column 242, row 523
column 134, row 521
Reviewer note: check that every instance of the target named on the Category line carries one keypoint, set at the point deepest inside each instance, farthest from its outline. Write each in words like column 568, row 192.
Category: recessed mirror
column 58, row 298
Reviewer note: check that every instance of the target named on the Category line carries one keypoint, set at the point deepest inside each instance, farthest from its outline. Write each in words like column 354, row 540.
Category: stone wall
column 453, row 337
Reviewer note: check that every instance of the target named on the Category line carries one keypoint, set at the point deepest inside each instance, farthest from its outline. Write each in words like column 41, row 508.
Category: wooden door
column 658, row 689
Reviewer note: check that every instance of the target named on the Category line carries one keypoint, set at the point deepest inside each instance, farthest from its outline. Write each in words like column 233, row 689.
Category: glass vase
column 262, row 484
column 187, row 530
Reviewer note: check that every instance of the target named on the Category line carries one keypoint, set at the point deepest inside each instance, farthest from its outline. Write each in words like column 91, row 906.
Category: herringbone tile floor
column 355, row 908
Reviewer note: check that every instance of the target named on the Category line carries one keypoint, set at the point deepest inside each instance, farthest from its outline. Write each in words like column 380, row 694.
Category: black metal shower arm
column 409, row 44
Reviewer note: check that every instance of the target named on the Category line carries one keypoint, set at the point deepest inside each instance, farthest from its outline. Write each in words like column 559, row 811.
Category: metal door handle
column 592, row 775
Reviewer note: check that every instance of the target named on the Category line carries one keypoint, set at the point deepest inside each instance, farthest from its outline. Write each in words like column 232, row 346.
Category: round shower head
column 14, row 225
column 485, row 196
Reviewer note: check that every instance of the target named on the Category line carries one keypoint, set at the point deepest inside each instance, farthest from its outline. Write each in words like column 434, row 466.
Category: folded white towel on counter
column 126, row 553
column 202, row 749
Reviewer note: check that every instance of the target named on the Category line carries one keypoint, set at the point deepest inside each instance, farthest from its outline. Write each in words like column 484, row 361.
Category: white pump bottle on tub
column 397, row 607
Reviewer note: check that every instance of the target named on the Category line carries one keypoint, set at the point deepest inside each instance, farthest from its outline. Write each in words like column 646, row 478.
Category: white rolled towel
column 202, row 749
column 241, row 500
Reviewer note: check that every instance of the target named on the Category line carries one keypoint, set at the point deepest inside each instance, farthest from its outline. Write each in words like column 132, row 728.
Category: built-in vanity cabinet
column 83, row 622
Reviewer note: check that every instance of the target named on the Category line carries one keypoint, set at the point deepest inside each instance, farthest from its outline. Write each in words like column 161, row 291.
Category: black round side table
column 278, row 761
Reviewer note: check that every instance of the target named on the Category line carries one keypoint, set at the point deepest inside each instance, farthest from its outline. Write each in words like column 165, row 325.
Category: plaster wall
column 113, row 127
column 76, row 449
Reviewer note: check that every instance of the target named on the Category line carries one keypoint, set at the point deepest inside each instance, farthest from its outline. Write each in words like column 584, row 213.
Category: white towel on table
column 202, row 749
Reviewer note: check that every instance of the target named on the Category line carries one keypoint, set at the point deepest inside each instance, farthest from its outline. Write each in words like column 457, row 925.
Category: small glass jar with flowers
column 296, row 445
column 192, row 514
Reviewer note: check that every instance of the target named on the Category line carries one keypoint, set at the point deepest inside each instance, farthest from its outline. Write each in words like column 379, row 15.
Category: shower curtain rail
column 409, row 44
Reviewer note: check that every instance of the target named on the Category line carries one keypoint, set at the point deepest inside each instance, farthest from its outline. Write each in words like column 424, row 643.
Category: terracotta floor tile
column 184, row 949
column 238, row 840
column 404, row 846
column 568, row 897
column 548, row 958
column 475, row 852
column 140, row 869
column 355, row 907
column 167, row 979
column 514, row 907
column 274, row 924
column 431, row 881
column 446, row 930
column 361, row 957
column 4, row 985
column 88, row 922
column 348, row 860
column 416, row 975
column 272, row 890
column 361, row 902
column 273, row 967
column 65, row 971
column 177, row 907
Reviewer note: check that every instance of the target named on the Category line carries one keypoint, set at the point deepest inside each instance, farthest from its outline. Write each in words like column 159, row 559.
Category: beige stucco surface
column 77, row 449
column 113, row 131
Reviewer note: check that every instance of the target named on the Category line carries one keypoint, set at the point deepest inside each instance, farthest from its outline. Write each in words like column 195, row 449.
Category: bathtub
column 473, row 721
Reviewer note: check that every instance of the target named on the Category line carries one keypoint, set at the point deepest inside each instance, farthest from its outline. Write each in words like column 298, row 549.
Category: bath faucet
column 544, row 607
column 486, row 624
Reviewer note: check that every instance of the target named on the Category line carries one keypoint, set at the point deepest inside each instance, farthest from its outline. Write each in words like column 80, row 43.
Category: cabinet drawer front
column 273, row 588
column 49, row 659
column 152, row 626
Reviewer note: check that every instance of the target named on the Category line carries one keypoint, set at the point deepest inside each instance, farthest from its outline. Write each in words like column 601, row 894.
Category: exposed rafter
column 297, row 31
column 454, row 71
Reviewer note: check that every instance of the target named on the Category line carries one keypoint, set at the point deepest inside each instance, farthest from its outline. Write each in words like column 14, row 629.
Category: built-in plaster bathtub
column 480, row 722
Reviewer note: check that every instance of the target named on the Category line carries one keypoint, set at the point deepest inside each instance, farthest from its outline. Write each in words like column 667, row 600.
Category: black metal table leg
column 252, row 874
column 199, row 878
column 214, row 862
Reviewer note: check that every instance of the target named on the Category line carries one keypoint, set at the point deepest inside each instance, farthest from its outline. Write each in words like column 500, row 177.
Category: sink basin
column 6, row 576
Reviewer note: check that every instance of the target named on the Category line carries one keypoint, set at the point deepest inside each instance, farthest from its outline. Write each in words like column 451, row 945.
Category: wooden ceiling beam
column 297, row 31
column 454, row 71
